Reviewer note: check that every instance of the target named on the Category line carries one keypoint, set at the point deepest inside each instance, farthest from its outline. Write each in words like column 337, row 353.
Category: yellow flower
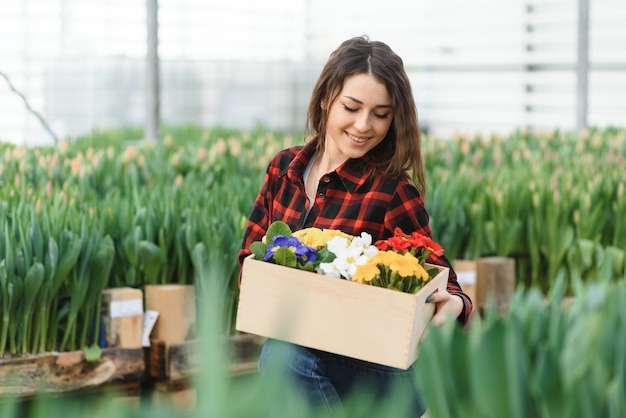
column 366, row 273
column 311, row 237
column 406, row 265
column 317, row 238
column 332, row 233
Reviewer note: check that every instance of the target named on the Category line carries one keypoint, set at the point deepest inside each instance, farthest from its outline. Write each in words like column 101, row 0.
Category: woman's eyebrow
column 360, row 102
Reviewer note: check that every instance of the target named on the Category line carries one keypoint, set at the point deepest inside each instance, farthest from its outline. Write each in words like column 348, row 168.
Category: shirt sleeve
column 258, row 221
column 407, row 211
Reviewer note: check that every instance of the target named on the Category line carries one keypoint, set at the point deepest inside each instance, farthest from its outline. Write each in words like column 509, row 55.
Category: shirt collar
column 352, row 173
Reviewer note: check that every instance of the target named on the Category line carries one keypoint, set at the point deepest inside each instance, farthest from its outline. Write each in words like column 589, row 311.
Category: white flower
column 348, row 255
column 365, row 243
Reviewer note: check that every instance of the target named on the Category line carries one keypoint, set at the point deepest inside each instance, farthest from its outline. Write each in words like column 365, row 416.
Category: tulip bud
column 178, row 181
column 63, row 147
column 201, row 155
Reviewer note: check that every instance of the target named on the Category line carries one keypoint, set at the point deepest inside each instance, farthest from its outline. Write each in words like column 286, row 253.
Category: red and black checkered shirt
column 347, row 199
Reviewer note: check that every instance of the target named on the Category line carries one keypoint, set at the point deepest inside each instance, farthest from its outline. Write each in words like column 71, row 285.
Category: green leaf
column 488, row 371
column 278, row 228
column 152, row 260
column 307, row 267
column 258, row 248
column 51, row 258
column 100, row 265
column 92, row 353
column 325, row 256
column 285, row 257
column 432, row 373
column 69, row 251
column 32, row 283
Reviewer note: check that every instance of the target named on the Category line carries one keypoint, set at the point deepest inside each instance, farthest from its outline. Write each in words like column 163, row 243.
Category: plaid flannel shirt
column 347, row 199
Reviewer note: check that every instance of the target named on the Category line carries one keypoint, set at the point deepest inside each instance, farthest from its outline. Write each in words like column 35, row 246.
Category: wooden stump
column 57, row 373
column 175, row 368
column 495, row 277
column 466, row 277
column 181, row 362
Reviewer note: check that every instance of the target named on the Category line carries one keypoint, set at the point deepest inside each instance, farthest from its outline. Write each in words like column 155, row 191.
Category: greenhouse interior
column 137, row 151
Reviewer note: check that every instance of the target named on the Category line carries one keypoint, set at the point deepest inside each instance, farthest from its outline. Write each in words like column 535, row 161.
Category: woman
column 361, row 172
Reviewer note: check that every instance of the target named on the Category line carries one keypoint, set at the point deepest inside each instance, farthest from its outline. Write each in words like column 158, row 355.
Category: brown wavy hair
column 399, row 154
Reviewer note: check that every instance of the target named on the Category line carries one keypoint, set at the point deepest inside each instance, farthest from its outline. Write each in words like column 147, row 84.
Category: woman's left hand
column 448, row 305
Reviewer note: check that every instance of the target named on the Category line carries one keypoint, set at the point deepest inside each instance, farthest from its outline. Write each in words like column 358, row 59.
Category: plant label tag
column 124, row 308
column 149, row 319
column 466, row 277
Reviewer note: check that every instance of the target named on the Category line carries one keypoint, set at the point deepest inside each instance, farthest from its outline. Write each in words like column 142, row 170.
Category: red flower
column 404, row 243
column 422, row 241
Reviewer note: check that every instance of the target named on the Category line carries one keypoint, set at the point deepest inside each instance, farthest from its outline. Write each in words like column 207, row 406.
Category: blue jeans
column 326, row 380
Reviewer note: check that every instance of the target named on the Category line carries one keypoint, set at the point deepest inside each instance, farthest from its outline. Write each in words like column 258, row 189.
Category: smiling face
column 358, row 119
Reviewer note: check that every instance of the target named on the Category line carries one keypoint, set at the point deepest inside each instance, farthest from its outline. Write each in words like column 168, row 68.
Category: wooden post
column 176, row 305
column 495, row 277
column 123, row 316
column 466, row 277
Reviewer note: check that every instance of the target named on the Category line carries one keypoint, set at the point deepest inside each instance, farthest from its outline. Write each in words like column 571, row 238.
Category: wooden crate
column 347, row 318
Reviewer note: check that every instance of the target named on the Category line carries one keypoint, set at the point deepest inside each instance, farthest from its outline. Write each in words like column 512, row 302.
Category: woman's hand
column 447, row 305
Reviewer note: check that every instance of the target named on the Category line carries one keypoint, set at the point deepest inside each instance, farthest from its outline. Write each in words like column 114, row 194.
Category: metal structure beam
column 582, row 66
column 153, row 118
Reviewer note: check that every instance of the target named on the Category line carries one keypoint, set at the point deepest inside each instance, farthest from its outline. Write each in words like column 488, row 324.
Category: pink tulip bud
column 201, row 155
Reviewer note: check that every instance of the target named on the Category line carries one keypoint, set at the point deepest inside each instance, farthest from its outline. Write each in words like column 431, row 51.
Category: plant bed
column 58, row 373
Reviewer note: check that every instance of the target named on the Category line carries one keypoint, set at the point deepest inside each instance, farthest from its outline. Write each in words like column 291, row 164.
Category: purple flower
column 302, row 252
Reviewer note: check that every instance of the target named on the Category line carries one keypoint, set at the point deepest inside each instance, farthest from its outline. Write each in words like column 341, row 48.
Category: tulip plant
column 111, row 210
column 540, row 198
column 539, row 359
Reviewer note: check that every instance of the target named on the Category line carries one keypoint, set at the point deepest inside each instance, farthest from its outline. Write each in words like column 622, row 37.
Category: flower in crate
column 318, row 238
column 401, row 263
column 349, row 253
column 281, row 247
column 291, row 245
column 398, row 263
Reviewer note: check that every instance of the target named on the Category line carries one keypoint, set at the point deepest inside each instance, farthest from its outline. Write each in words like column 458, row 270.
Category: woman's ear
column 323, row 105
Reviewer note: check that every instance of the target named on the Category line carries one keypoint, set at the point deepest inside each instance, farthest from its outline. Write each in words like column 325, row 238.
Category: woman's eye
column 378, row 115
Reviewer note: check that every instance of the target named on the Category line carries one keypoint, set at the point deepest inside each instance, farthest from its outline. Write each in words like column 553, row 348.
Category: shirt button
column 321, row 196
column 326, row 179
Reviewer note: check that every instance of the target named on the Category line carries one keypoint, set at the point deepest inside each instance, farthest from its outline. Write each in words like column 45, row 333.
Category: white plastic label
column 149, row 319
column 124, row 308
column 466, row 277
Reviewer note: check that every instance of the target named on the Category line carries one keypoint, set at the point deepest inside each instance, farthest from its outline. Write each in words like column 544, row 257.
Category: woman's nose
column 362, row 122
